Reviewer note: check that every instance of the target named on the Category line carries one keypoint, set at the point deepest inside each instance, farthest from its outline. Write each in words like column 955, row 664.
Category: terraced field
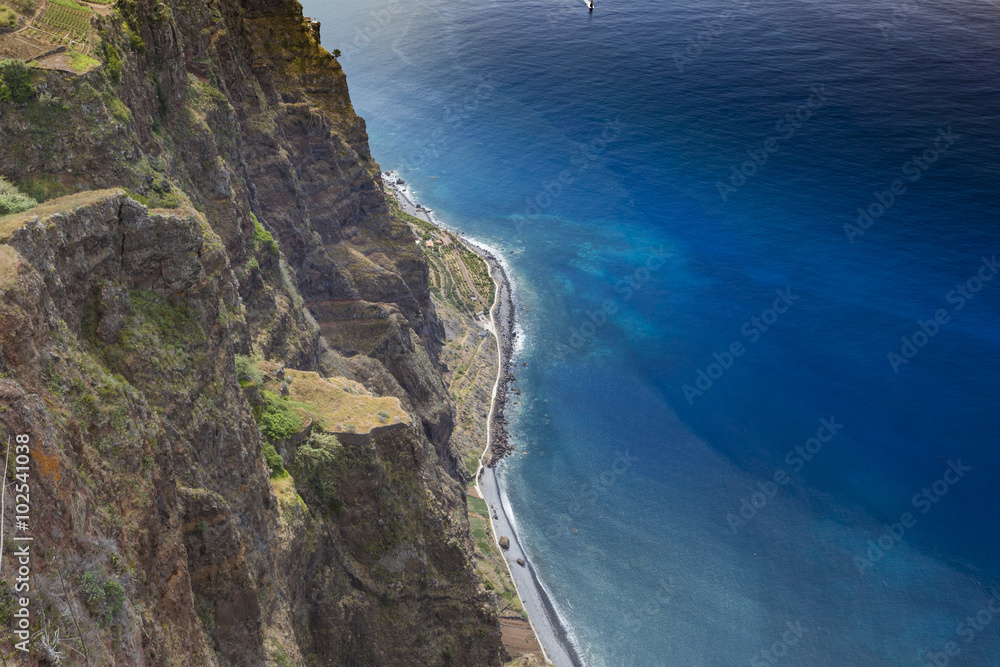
column 459, row 276
column 63, row 24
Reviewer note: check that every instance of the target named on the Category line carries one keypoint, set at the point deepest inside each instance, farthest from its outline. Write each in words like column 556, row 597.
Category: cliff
column 221, row 342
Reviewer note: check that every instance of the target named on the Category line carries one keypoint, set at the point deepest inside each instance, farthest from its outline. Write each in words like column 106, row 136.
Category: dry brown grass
column 9, row 263
column 341, row 405
column 12, row 223
column 284, row 491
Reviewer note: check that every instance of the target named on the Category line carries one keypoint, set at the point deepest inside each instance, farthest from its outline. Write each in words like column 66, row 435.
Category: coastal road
column 544, row 620
column 549, row 630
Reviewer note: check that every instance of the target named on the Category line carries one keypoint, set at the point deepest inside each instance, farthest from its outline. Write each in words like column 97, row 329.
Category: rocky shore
column 553, row 634
column 502, row 318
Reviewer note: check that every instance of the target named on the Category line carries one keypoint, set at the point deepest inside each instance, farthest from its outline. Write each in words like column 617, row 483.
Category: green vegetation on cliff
column 316, row 464
column 278, row 420
column 104, row 597
column 15, row 82
column 262, row 238
column 274, row 460
column 8, row 17
column 13, row 200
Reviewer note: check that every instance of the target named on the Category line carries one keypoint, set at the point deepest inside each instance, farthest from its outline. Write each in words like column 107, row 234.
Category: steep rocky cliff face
column 220, row 204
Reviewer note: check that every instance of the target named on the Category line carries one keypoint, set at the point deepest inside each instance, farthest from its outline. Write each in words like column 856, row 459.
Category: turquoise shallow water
column 676, row 188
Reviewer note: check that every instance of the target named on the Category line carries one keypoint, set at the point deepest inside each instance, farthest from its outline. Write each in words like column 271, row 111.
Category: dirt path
column 98, row 8
column 519, row 638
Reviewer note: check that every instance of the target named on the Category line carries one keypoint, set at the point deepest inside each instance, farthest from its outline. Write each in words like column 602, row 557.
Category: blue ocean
column 754, row 246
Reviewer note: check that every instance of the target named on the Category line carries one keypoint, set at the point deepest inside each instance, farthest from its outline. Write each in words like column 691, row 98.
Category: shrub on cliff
column 104, row 597
column 112, row 63
column 315, row 465
column 13, row 200
column 278, row 420
column 8, row 19
column 16, row 76
column 262, row 238
column 135, row 42
column 274, row 460
column 247, row 372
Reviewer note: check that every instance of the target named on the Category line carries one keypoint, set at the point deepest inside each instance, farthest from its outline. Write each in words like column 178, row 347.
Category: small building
column 430, row 244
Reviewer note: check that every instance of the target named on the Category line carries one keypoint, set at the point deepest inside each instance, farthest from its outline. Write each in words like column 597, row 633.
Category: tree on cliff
column 16, row 77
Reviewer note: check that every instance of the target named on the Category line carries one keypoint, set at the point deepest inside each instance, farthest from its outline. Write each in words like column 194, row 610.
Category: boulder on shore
column 504, row 543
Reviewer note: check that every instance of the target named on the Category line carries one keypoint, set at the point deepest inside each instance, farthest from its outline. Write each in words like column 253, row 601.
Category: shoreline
column 553, row 636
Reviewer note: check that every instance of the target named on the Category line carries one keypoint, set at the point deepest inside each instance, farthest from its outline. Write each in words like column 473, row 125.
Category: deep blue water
column 591, row 148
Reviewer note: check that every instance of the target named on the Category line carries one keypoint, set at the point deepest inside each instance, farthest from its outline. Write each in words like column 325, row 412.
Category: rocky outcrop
column 228, row 205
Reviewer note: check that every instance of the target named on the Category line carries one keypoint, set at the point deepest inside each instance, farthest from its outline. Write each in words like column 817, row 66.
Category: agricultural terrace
column 458, row 276
column 55, row 34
